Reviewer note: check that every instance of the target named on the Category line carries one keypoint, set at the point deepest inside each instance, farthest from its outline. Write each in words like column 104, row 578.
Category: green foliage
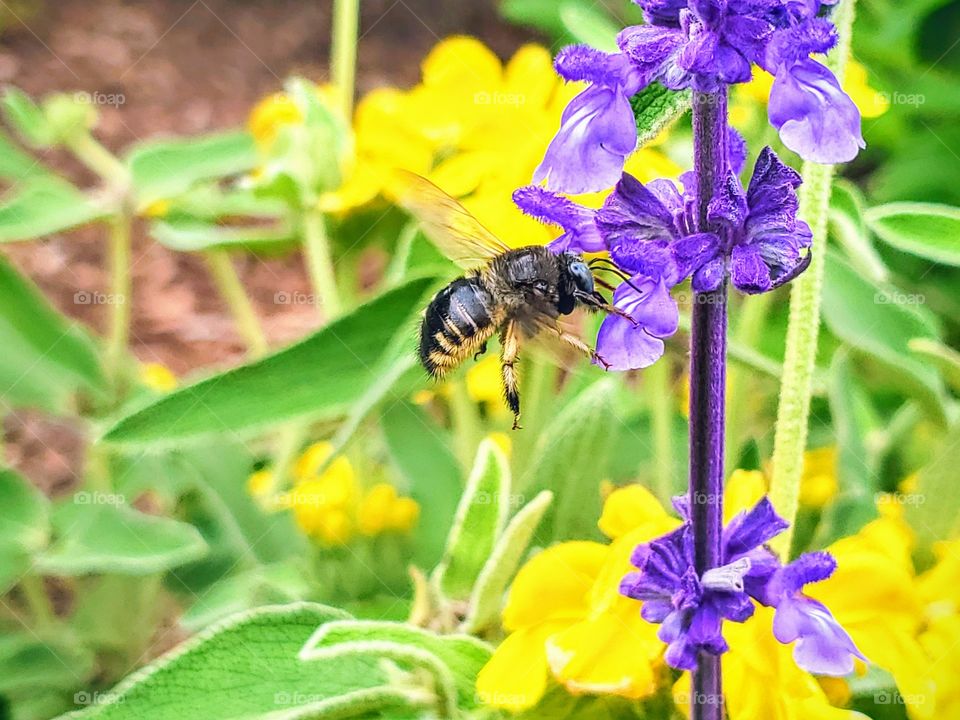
column 924, row 229
column 320, row 375
column 43, row 206
column 25, row 528
column 655, row 108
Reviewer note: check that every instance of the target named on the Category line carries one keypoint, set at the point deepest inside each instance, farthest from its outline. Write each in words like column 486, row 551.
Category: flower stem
column 793, row 412
column 343, row 51
column 708, row 360
column 320, row 263
column 231, row 290
column 120, row 286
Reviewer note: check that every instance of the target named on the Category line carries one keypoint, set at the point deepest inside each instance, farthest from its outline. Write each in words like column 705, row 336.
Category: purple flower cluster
column 705, row 45
column 691, row 607
column 649, row 232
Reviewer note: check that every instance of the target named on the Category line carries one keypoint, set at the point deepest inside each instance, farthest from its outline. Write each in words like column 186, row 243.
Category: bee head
column 579, row 272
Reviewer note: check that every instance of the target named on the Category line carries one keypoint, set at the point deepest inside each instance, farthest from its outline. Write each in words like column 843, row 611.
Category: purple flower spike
column 580, row 232
column 823, row 646
column 626, row 345
column 597, row 129
column 691, row 608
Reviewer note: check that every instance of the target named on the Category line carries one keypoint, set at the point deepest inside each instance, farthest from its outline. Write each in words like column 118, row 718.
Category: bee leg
column 481, row 351
column 510, row 349
column 580, row 345
column 598, row 302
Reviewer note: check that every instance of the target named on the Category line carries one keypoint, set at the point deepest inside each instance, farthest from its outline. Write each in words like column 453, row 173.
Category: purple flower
column 648, row 230
column 626, row 345
column 580, row 232
column 691, row 607
column 597, row 129
column 822, row 645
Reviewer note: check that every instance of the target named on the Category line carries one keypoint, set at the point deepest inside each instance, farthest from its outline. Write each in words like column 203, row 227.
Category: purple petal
column 751, row 528
column 584, row 63
column 816, row 119
column 728, row 206
column 736, row 151
column 652, row 49
column 748, row 272
column 662, row 12
column 581, row 234
column 626, row 345
column 823, row 646
column 708, row 276
column 597, row 132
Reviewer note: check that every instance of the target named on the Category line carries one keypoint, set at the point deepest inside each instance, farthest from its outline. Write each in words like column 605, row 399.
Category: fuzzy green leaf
column 247, row 667
column 932, row 510
column 93, row 535
column 849, row 228
column 321, row 375
column 655, row 107
column 192, row 235
column 26, row 117
column 927, row 230
column 24, row 526
column 481, row 515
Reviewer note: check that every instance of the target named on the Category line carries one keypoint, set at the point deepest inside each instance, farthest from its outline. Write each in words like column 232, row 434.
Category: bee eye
column 582, row 277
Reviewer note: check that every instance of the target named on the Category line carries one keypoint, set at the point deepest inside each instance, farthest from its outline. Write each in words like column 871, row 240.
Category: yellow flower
column 567, row 619
column 261, row 483
column 335, row 527
column 484, row 383
column 313, row 458
column 158, row 377
column 403, row 514
column 874, row 597
column 374, row 514
column 270, row 114
column 871, row 102
column 818, row 484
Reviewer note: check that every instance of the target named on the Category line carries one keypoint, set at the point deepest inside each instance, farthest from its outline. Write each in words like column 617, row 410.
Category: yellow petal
column 856, row 84
column 311, row 459
column 516, row 676
column 530, row 77
column 554, row 584
column 484, row 382
column 462, row 63
column 372, row 516
column 404, row 514
column 628, row 508
column 818, row 483
column 158, row 377
column 611, row 653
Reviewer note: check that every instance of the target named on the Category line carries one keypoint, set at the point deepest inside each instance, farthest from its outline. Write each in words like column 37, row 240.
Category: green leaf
column 481, row 516
column 589, row 24
column 933, row 511
column 31, row 666
column 166, row 168
column 322, row 374
column 928, row 230
column 43, row 206
column 543, row 15
column 95, row 535
column 247, row 667
column 26, row 117
column 24, row 526
column 16, row 165
column 946, row 359
column 192, row 235
column 45, row 357
column 433, row 478
column 462, row 656
column 849, row 228
column 268, row 584
column 856, row 470
column 655, row 107
column 567, row 460
column 880, row 323
column 491, row 585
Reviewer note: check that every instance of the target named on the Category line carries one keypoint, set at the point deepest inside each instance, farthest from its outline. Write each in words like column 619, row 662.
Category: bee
column 515, row 293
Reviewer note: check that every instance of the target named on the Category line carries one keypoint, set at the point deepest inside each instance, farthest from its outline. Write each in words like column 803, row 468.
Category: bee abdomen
column 457, row 323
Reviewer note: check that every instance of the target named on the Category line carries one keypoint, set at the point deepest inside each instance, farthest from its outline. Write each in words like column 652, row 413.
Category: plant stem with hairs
column 343, row 51
column 231, row 290
column 793, row 412
column 320, row 263
column 708, row 356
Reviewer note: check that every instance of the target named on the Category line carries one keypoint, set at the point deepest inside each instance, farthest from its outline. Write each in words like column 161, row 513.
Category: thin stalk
column 343, row 51
column 659, row 389
column 320, row 263
column 100, row 160
column 751, row 321
column 231, row 290
column 708, row 360
column 793, row 412
column 119, row 299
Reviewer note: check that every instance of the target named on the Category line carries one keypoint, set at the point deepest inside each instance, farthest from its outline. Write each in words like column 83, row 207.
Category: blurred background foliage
column 160, row 478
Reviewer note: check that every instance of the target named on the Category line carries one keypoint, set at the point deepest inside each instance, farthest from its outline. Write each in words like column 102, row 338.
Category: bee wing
column 446, row 223
column 544, row 341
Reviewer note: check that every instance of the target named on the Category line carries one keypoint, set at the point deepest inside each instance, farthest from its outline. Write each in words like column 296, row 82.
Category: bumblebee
column 514, row 293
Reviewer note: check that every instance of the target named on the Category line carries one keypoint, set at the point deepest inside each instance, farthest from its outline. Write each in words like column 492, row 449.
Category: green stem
column 231, row 290
column 796, row 386
column 120, row 298
column 465, row 419
column 751, row 322
column 343, row 51
column 100, row 160
column 659, row 383
column 320, row 263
